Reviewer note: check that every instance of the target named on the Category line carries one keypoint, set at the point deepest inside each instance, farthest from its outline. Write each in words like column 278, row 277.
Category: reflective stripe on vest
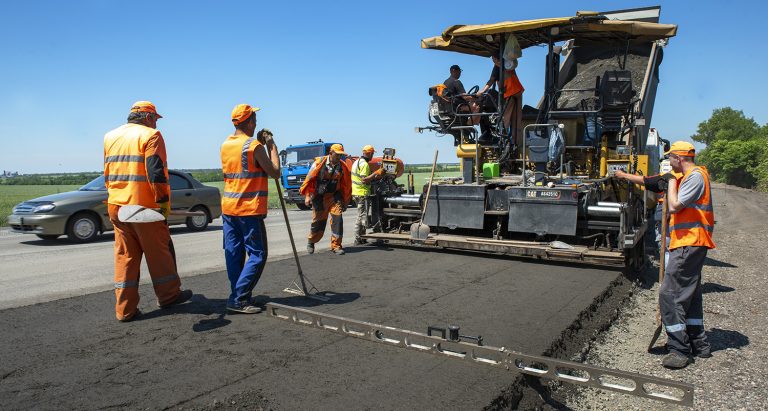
column 245, row 182
column 124, row 165
column 693, row 225
column 120, row 177
column 124, row 159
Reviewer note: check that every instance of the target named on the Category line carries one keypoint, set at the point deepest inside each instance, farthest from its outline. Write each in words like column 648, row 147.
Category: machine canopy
column 486, row 39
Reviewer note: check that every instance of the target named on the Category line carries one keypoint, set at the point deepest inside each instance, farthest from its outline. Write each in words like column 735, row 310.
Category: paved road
column 72, row 354
column 34, row 270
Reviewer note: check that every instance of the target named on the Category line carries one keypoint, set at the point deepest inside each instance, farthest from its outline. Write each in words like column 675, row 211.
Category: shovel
column 662, row 263
column 420, row 231
column 140, row 214
column 303, row 290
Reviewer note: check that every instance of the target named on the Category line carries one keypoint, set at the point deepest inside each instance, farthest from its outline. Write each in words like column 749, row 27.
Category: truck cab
column 296, row 161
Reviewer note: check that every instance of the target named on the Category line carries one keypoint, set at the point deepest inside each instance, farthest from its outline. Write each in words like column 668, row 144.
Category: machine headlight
column 42, row 208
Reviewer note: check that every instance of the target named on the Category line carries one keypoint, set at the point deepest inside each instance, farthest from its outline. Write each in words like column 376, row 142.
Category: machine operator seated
column 450, row 97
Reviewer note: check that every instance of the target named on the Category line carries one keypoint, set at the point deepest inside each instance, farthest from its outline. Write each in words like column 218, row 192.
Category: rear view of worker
column 136, row 173
column 691, row 224
column 247, row 167
column 327, row 188
column 361, row 189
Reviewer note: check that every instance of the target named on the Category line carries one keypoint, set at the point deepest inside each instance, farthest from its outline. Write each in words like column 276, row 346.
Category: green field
column 10, row 195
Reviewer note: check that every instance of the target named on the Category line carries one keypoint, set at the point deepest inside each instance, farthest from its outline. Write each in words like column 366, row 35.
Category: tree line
column 50, row 179
column 737, row 149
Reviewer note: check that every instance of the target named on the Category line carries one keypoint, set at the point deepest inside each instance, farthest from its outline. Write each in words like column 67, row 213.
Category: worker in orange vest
column 247, row 167
column 328, row 189
column 691, row 224
column 136, row 173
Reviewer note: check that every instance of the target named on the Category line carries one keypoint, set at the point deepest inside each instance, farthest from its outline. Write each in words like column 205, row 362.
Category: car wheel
column 82, row 228
column 198, row 223
column 47, row 236
column 303, row 206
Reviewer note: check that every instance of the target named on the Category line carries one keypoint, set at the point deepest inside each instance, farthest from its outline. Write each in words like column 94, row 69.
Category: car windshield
column 97, row 184
column 303, row 155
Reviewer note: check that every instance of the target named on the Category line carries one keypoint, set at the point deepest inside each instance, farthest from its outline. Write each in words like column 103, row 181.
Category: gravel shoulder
column 735, row 309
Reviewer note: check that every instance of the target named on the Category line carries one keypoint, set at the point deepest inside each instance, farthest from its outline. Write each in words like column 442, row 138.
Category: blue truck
column 296, row 161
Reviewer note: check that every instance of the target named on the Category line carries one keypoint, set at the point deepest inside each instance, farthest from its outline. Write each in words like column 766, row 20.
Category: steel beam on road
column 630, row 383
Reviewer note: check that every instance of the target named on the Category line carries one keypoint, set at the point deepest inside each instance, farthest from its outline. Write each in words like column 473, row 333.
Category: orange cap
column 241, row 112
column 338, row 149
column 369, row 149
column 682, row 148
column 144, row 107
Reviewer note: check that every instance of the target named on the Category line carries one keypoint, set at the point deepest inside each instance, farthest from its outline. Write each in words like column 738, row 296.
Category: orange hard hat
column 369, row 149
column 682, row 148
column 241, row 112
column 338, row 149
column 144, row 107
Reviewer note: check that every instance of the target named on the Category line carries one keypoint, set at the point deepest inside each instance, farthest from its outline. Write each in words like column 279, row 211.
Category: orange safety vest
column 245, row 182
column 693, row 225
column 125, row 170
column 343, row 184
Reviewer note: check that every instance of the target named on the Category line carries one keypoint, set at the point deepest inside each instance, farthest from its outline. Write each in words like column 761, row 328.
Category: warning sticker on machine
column 553, row 194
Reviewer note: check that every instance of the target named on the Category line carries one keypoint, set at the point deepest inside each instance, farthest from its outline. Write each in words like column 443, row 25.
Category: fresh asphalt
column 70, row 353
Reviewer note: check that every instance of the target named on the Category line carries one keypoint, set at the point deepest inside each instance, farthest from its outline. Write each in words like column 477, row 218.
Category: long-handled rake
column 295, row 288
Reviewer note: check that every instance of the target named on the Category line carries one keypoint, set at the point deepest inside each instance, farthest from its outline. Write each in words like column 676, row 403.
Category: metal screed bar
column 645, row 386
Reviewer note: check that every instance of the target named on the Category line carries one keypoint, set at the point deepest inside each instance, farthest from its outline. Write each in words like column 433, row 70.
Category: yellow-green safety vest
column 360, row 170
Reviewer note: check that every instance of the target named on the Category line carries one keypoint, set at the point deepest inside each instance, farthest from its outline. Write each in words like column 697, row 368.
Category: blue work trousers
column 245, row 251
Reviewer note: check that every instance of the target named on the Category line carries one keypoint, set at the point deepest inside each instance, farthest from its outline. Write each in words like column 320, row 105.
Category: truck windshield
column 303, row 155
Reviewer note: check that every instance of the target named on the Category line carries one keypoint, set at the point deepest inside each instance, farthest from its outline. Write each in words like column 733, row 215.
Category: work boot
column 135, row 315
column 676, row 360
column 310, row 248
column 244, row 308
column 705, row 352
column 359, row 241
column 183, row 296
column 339, row 251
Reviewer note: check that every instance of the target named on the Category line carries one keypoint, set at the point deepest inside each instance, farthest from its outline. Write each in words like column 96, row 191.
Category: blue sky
column 351, row 72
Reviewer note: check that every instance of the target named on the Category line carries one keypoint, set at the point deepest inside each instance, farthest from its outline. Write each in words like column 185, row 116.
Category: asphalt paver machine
column 539, row 181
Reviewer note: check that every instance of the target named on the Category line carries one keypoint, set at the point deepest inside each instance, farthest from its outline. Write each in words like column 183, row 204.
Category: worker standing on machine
column 327, row 188
column 247, row 167
column 691, row 224
column 361, row 189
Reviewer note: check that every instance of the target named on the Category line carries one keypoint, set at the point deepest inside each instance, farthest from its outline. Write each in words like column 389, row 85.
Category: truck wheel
column 303, row 206
column 82, row 228
column 198, row 223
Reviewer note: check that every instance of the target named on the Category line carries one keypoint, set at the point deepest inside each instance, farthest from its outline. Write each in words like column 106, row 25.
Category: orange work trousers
column 132, row 240
column 322, row 207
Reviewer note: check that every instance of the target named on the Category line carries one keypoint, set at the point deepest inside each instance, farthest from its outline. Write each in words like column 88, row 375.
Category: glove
column 165, row 209
column 380, row 171
column 265, row 136
column 667, row 176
